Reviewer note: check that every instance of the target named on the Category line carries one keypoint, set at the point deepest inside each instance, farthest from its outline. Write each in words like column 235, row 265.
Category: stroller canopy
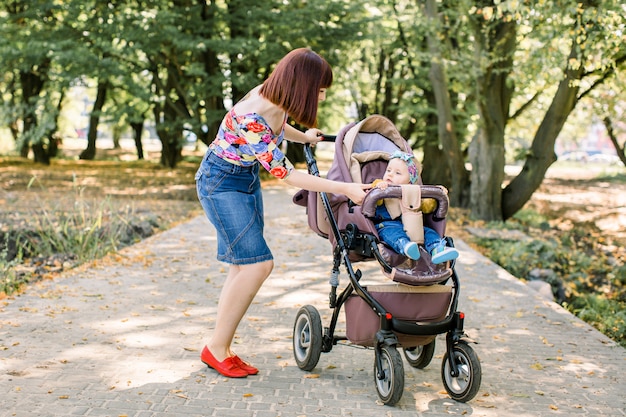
column 373, row 138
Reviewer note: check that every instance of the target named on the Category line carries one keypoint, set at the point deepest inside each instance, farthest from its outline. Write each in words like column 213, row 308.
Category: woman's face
column 397, row 172
column 322, row 94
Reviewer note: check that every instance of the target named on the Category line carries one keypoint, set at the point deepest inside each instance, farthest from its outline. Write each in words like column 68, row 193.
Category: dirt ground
column 583, row 196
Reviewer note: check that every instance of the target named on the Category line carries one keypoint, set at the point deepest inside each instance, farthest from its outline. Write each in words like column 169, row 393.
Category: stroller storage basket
column 424, row 304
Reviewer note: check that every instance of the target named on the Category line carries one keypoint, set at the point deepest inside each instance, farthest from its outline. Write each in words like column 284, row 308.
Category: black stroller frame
column 461, row 373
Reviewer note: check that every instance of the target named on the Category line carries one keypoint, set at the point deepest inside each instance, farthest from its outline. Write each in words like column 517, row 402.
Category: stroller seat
column 405, row 270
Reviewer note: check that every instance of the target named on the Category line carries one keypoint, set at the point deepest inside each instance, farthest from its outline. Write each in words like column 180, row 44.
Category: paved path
column 122, row 338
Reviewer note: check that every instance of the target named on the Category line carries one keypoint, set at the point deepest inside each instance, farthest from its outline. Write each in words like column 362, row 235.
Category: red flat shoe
column 228, row 367
column 251, row 370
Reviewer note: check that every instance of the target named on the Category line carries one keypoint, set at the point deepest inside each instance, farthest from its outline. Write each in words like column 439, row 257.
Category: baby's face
column 397, row 172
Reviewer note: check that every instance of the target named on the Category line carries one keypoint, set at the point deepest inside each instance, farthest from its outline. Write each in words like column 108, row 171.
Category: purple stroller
column 419, row 304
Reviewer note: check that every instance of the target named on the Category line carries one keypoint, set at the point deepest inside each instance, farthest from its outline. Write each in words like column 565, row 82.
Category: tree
column 447, row 134
column 35, row 50
column 516, row 54
column 595, row 53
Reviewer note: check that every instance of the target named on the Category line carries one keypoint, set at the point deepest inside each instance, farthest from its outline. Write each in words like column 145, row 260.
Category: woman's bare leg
column 238, row 291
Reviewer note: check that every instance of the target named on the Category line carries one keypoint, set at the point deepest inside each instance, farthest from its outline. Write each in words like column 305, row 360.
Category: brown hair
column 295, row 84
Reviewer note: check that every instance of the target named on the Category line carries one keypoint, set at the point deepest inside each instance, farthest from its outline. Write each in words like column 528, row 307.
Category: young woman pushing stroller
column 229, row 188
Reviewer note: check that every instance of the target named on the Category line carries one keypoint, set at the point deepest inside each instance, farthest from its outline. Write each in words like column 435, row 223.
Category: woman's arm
column 311, row 136
column 353, row 191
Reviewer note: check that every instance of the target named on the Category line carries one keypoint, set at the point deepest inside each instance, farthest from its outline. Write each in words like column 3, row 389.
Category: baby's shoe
column 441, row 254
column 412, row 250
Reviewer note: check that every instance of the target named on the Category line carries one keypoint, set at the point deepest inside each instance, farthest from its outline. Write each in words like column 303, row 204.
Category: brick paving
column 122, row 337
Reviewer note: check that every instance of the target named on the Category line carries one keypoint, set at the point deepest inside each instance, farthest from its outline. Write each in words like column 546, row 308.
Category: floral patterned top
column 245, row 139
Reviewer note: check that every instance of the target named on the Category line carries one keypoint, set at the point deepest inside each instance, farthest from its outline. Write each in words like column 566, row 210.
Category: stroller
column 419, row 304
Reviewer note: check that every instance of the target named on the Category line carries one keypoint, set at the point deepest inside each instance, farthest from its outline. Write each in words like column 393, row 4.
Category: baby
column 402, row 169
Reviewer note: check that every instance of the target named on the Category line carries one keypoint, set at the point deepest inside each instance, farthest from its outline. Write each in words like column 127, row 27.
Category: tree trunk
column 170, row 144
column 137, row 133
column 169, row 135
column 116, row 133
column 433, row 170
column 541, row 154
column 94, row 119
column 40, row 153
column 495, row 45
column 214, row 102
column 32, row 82
column 487, row 159
column 445, row 121
column 620, row 150
column 54, row 138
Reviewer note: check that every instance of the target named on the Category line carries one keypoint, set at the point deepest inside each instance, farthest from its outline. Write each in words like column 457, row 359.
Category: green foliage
column 593, row 280
column 605, row 314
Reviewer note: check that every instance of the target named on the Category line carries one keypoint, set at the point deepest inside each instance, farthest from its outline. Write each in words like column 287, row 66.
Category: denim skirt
column 231, row 198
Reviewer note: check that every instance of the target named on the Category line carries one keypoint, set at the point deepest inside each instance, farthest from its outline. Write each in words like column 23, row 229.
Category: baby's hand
column 380, row 184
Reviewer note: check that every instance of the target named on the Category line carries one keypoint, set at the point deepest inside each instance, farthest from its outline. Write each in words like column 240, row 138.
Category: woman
column 230, row 192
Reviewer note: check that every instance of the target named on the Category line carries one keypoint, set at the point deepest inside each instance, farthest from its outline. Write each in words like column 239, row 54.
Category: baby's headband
column 410, row 162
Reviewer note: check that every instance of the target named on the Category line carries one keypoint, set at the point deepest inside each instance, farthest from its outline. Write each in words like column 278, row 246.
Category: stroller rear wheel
column 420, row 356
column 390, row 378
column 307, row 338
column 465, row 386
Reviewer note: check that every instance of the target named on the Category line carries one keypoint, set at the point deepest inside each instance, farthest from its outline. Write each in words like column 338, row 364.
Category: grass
column 55, row 217
column 56, row 235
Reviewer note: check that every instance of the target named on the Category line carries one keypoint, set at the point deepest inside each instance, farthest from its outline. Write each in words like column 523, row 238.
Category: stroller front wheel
column 465, row 386
column 307, row 338
column 390, row 378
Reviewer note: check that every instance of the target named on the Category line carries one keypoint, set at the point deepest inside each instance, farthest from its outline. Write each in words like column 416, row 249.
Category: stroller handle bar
column 439, row 193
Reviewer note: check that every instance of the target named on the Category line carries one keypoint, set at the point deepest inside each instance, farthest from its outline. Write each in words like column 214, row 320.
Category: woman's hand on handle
column 356, row 192
column 314, row 136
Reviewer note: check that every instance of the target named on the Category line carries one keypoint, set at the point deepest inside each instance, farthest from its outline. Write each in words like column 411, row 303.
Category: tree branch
column 603, row 77
column 621, row 150
column 524, row 106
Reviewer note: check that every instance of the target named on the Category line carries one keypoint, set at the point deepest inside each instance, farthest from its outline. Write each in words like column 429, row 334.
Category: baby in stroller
column 404, row 232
